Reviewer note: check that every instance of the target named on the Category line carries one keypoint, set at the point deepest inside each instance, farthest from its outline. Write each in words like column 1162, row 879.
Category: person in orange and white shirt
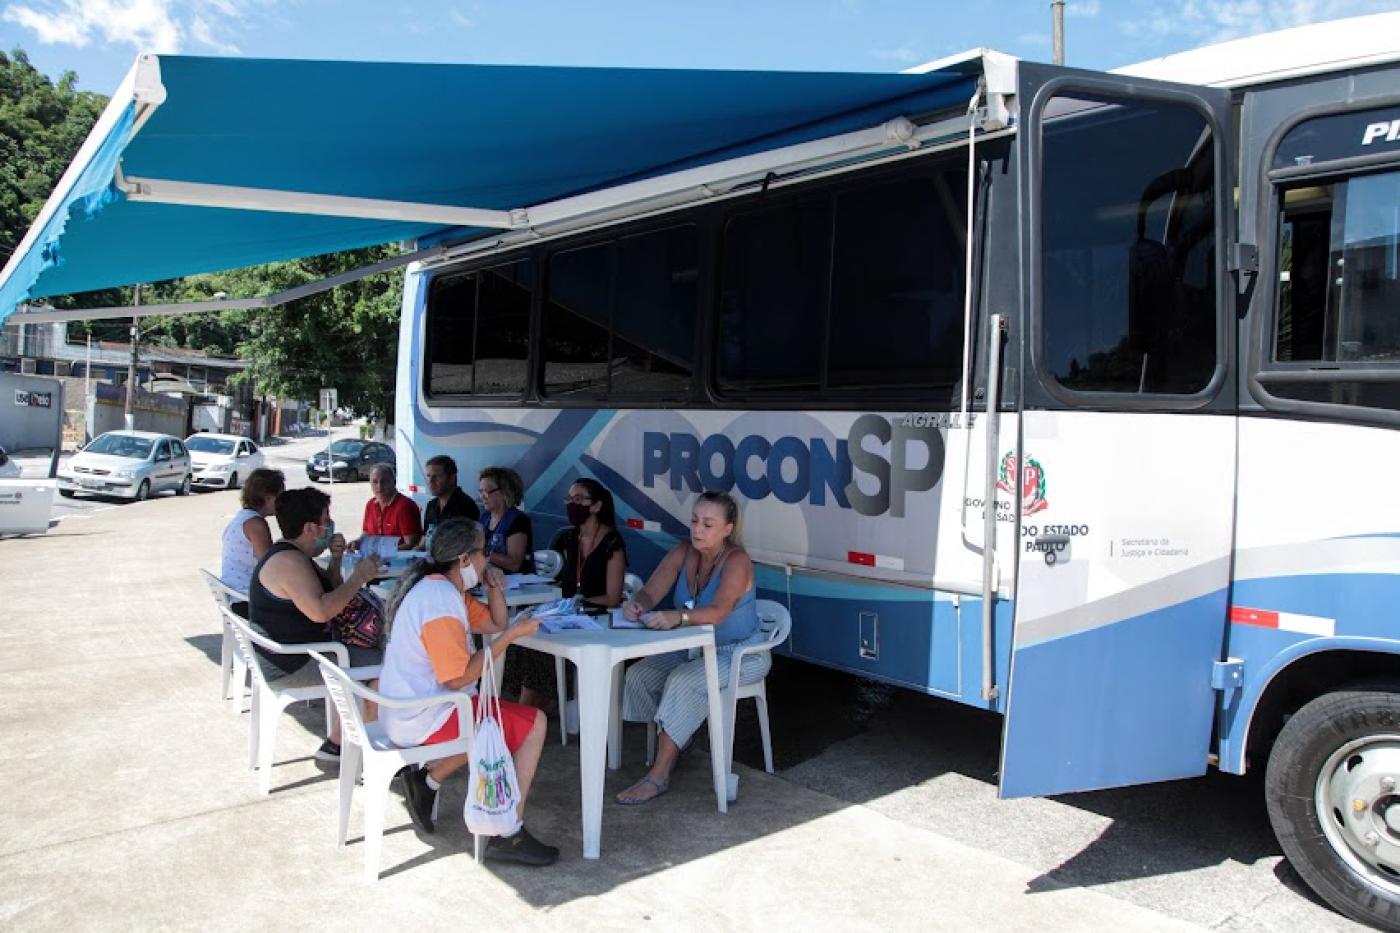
column 432, row 615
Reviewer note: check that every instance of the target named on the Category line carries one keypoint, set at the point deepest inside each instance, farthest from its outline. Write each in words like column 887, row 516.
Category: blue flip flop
column 660, row 789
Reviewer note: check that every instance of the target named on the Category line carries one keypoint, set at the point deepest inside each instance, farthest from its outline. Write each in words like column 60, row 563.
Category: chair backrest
column 342, row 692
column 224, row 595
column 631, row 585
column 245, row 638
column 774, row 621
column 548, row 562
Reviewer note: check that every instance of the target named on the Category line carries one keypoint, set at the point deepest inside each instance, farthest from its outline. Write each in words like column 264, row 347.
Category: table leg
column 594, row 687
column 615, row 717
column 717, row 741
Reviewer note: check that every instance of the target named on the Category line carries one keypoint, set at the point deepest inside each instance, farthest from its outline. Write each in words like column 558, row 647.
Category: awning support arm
column 29, row 314
column 199, row 194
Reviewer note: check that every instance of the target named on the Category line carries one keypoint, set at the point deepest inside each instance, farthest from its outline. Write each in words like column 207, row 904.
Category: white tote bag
column 493, row 793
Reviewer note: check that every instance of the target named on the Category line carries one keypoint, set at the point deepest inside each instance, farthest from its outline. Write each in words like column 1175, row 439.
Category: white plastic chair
column 775, row 622
column 230, row 661
column 366, row 750
column 269, row 701
column 548, row 563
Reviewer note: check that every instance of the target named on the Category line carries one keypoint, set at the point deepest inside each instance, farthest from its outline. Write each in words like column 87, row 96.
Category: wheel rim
column 143, row 490
column 1358, row 805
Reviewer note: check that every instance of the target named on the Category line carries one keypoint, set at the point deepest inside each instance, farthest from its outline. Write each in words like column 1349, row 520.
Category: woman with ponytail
column 432, row 615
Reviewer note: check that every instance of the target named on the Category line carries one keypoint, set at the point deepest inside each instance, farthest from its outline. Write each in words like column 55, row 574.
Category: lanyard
column 578, row 564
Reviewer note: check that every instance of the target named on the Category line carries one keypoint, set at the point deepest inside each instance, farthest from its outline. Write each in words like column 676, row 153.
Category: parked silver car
column 130, row 464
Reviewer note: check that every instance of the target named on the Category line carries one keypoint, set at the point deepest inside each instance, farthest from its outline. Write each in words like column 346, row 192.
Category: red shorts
column 516, row 722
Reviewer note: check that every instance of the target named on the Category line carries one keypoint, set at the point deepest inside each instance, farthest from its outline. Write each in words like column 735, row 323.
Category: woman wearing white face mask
column 432, row 616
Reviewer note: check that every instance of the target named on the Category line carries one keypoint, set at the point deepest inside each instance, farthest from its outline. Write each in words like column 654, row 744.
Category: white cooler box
column 25, row 505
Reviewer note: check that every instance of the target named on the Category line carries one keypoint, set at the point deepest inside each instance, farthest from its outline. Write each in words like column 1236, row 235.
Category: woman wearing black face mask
column 595, row 562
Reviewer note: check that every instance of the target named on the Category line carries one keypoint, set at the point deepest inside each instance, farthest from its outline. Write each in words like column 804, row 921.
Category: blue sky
column 99, row 38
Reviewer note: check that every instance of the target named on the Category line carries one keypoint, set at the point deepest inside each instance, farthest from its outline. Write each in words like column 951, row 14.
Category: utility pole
column 87, row 391
column 1057, row 7
column 131, row 368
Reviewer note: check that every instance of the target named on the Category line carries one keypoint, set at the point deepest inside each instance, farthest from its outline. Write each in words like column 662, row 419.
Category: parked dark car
column 350, row 459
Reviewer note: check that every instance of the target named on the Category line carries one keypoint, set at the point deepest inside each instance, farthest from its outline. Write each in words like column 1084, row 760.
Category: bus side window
column 1128, row 247
column 1338, row 304
column 478, row 332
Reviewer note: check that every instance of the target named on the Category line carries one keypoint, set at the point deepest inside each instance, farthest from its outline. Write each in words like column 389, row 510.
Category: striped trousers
column 670, row 688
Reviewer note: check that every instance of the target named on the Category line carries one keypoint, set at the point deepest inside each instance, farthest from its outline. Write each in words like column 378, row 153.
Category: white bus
column 1068, row 395
column 1185, row 310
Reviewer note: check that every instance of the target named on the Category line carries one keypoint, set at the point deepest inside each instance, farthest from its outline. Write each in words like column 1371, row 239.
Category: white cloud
column 1085, row 8
column 460, row 18
column 903, row 55
column 148, row 25
column 203, row 33
column 1221, row 20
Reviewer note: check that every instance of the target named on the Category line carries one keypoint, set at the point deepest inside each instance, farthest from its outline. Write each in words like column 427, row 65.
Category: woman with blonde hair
column 509, row 538
column 247, row 536
column 711, row 582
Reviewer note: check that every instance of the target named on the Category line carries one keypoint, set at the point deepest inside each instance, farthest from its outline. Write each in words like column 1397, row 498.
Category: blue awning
column 483, row 138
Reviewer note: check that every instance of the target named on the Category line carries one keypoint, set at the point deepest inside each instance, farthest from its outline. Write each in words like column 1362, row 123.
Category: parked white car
column 130, row 464
column 222, row 461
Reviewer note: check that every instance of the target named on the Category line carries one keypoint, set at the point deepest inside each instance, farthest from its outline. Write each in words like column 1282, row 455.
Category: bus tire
column 1333, row 791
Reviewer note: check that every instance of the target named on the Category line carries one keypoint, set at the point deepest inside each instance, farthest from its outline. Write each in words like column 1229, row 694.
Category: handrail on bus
column 996, row 333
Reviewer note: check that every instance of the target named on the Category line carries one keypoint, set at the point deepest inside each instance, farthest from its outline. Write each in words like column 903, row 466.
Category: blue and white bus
column 1172, row 547
column 1068, row 395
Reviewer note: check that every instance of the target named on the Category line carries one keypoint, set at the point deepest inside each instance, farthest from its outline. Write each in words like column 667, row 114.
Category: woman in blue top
column 713, row 584
column 509, row 538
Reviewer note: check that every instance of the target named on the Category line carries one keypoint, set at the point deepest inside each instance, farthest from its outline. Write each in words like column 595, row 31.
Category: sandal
column 660, row 789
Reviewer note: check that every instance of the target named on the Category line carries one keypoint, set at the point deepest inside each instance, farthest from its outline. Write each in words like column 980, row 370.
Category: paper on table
column 618, row 620
column 575, row 622
column 385, row 547
column 515, row 581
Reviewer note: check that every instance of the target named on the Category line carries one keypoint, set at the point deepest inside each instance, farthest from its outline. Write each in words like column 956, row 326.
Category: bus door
column 1125, row 465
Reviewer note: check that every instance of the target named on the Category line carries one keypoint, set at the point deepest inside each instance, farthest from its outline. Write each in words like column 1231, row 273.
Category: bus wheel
column 1333, row 790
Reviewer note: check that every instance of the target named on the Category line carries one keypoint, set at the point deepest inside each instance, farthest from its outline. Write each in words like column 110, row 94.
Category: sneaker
column 521, row 848
column 419, row 797
column 329, row 751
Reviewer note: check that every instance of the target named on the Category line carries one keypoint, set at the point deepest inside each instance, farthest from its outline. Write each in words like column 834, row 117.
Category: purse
column 361, row 623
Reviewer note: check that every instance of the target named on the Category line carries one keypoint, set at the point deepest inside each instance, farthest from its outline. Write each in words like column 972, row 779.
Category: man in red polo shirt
column 389, row 513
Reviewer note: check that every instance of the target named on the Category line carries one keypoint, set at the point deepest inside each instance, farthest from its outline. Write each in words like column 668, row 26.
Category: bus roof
column 1320, row 48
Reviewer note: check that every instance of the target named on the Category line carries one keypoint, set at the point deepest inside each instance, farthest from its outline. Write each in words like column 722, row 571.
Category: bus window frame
column 1127, row 91
column 473, row 399
column 615, row 235
column 1260, row 365
column 829, row 190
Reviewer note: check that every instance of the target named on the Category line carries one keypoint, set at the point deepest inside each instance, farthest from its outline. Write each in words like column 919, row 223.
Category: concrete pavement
column 129, row 803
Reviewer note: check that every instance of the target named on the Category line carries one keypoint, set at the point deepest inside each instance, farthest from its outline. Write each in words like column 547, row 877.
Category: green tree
column 42, row 124
column 346, row 338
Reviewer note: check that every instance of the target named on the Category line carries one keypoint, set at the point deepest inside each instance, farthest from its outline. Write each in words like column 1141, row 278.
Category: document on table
column 515, row 581
column 384, row 547
column 575, row 622
column 617, row 620
column 562, row 615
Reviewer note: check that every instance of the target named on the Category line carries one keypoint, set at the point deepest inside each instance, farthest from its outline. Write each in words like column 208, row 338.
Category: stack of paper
column 561, row 616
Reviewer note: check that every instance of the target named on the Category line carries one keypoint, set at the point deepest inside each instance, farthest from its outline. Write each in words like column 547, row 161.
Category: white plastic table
column 598, row 656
